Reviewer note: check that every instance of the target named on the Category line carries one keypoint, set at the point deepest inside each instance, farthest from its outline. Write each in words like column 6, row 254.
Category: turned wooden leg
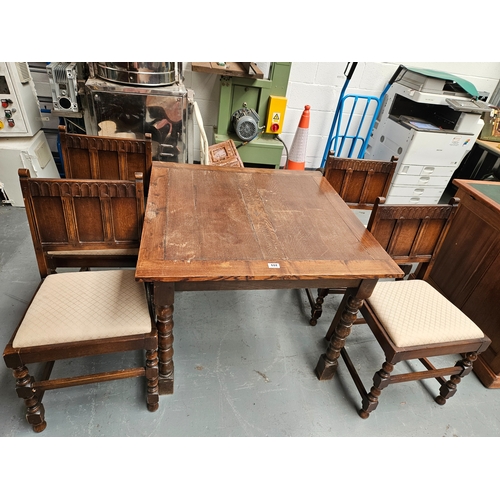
column 341, row 327
column 449, row 388
column 338, row 315
column 164, row 300
column 35, row 412
column 165, row 325
column 317, row 309
column 381, row 380
column 328, row 362
column 152, row 396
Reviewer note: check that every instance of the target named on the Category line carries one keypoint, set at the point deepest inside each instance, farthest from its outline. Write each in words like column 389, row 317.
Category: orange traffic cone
column 297, row 156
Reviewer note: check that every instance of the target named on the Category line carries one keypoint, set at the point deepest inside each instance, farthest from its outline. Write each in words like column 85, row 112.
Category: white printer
column 430, row 120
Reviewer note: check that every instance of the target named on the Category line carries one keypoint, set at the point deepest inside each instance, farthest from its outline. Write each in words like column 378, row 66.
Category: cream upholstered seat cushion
column 76, row 306
column 414, row 313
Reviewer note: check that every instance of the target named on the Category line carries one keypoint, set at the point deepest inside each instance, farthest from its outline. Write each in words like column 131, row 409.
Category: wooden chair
column 359, row 183
column 98, row 157
column 409, row 318
column 78, row 314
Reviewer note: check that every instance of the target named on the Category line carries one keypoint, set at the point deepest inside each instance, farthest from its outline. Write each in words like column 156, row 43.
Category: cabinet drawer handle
column 424, row 180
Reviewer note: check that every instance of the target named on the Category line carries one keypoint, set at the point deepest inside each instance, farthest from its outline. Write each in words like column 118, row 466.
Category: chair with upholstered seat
column 359, row 183
column 87, row 223
column 100, row 157
column 410, row 319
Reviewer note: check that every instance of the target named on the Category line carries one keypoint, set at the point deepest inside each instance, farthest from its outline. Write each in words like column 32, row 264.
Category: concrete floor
column 244, row 366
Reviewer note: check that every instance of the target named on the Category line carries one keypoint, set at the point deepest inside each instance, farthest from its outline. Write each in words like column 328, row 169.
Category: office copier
column 429, row 120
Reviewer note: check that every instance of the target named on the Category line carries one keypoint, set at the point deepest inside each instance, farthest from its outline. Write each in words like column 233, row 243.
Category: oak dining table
column 226, row 228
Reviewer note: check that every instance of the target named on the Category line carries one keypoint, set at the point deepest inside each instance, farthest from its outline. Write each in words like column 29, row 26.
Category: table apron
column 263, row 284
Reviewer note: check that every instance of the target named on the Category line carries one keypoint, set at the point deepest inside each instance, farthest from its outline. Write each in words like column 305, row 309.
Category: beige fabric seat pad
column 414, row 313
column 77, row 306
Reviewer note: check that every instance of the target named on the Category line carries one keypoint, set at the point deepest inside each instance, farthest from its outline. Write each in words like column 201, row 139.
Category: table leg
column 339, row 313
column 164, row 306
column 341, row 328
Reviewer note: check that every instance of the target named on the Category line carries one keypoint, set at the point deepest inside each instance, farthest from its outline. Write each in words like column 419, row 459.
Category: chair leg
column 381, row 380
column 35, row 412
column 152, row 395
column 317, row 308
column 449, row 388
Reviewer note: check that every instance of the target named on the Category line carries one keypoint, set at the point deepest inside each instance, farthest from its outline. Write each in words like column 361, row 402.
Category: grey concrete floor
column 244, row 366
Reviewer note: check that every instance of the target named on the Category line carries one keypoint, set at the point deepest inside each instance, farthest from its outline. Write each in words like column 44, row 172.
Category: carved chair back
column 98, row 157
column 360, row 182
column 83, row 223
column 411, row 233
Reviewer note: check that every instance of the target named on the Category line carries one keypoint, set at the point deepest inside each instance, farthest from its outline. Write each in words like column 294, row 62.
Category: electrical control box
column 19, row 112
column 275, row 114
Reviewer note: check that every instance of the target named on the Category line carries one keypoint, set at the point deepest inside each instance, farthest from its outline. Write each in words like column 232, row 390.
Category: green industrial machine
column 245, row 107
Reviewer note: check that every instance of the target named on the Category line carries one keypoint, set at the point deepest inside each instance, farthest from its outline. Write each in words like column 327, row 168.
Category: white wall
column 319, row 84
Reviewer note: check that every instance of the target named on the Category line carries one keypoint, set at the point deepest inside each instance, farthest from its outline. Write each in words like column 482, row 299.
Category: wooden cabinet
column 467, row 267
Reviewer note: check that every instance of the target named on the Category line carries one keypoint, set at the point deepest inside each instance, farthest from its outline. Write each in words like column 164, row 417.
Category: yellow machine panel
column 275, row 114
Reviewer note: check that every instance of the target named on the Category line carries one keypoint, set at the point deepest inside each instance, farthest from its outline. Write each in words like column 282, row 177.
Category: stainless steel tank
column 146, row 74
column 134, row 110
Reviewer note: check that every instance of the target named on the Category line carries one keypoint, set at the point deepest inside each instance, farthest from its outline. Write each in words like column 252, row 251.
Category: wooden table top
column 207, row 223
column 493, row 147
